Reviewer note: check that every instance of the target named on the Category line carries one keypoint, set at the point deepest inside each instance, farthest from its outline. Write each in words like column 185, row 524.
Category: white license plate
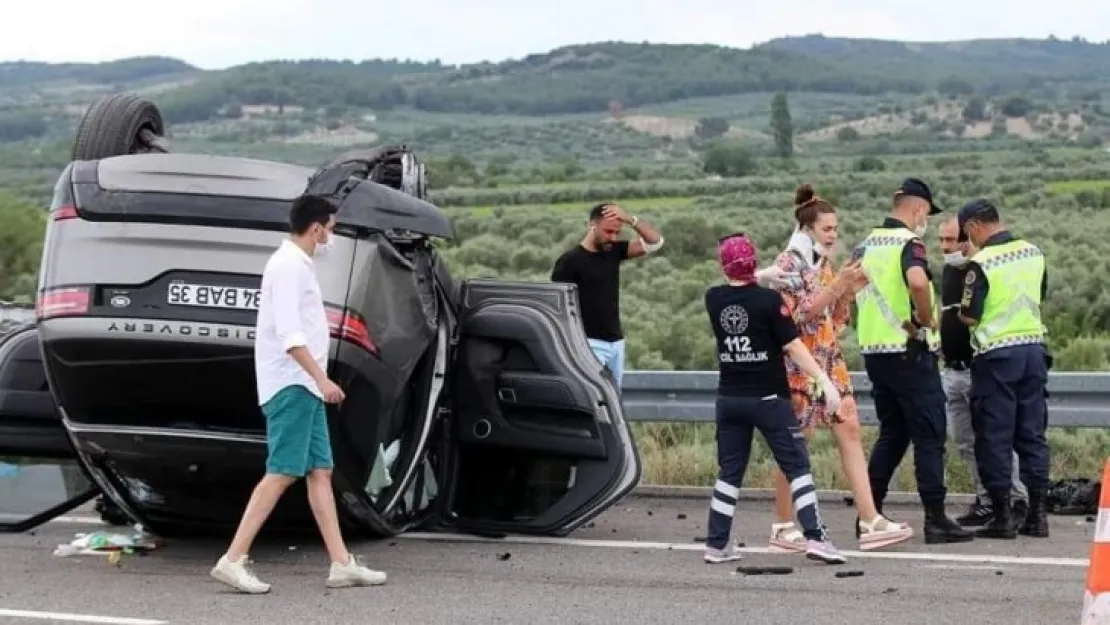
column 211, row 296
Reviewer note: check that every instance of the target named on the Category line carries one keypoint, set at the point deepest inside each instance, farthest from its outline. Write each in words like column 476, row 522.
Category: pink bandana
column 737, row 257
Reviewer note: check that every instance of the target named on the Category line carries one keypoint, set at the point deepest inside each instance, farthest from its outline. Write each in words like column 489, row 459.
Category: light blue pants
column 612, row 356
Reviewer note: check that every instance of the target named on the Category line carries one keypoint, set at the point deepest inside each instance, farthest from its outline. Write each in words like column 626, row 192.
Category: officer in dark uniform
column 1003, row 290
column 896, row 326
column 955, row 347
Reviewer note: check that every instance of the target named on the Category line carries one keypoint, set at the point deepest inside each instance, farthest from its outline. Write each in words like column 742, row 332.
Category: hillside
column 989, row 66
column 123, row 71
column 629, row 102
column 590, row 78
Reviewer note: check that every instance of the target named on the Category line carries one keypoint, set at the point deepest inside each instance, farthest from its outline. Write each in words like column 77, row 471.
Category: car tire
column 110, row 513
column 120, row 124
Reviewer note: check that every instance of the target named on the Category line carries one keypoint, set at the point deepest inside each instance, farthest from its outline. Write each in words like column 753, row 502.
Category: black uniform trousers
column 1009, row 414
column 909, row 403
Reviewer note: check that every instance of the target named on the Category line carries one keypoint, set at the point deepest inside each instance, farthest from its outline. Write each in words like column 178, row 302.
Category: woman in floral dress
column 819, row 299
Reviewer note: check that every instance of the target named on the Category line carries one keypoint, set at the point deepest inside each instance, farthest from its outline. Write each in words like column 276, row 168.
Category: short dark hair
column 901, row 199
column 987, row 213
column 309, row 209
column 597, row 210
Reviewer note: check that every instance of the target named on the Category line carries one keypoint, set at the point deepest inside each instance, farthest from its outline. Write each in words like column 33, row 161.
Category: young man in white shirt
column 290, row 360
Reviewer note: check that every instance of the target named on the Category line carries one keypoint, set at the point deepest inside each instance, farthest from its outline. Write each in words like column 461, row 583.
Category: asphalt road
column 639, row 563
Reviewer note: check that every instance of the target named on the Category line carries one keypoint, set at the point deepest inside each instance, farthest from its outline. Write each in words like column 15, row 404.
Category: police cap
column 979, row 207
column 917, row 188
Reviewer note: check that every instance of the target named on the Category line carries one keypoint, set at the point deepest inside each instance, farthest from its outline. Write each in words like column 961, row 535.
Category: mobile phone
column 858, row 252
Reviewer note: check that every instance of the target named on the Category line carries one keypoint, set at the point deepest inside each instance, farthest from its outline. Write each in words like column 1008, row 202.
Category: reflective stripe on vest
column 1012, row 308
column 884, row 304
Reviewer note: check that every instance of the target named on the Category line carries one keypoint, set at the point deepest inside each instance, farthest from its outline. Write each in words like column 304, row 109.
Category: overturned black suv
column 475, row 406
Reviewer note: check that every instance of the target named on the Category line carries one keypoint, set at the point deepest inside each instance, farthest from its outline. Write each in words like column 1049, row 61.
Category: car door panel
column 541, row 442
column 40, row 477
column 29, row 421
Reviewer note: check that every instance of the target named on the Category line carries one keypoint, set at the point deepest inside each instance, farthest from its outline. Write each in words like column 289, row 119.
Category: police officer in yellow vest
column 1003, row 290
column 897, row 329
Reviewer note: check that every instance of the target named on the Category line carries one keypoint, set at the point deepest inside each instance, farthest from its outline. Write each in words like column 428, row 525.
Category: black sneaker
column 978, row 515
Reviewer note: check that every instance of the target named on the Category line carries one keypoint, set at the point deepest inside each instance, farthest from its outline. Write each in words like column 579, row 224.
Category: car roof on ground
column 202, row 174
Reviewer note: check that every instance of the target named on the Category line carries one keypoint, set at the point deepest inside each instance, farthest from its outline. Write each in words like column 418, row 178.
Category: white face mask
column 955, row 258
column 322, row 248
column 921, row 228
column 819, row 248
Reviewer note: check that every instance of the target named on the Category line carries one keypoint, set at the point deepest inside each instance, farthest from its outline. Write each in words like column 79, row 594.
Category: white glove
column 831, row 395
column 775, row 276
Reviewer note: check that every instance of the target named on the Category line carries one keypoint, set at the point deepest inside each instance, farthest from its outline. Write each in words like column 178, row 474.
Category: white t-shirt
column 290, row 314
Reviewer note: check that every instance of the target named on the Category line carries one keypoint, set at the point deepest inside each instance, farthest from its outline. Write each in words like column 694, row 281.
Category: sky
column 220, row 33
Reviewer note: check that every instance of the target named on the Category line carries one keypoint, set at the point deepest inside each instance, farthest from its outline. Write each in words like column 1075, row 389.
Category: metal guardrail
column 13, row 315
column 1075, row 399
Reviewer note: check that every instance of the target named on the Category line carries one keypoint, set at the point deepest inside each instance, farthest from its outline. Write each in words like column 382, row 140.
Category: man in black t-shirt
column 955, row 346
column 594, row 266
column 754, row 330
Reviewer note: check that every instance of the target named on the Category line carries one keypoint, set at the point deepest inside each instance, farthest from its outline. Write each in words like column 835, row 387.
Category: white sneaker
column 353, row 574
column 719, row 556
column 238, row 576
column 786, row 538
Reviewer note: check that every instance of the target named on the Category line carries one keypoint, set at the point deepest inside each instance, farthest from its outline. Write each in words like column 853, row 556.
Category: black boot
column 1021, row 511
column 941, row 529
column 1036, row 522
column 1001, row 524
column 978, row 515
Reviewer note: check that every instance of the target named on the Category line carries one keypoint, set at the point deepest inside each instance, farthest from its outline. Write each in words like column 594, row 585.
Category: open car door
column 539, row 442
column 40, row 477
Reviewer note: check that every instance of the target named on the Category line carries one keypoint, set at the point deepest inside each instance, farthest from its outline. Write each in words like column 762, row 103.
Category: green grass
column 630, row 205
column 685, row 455
column 1061, row 187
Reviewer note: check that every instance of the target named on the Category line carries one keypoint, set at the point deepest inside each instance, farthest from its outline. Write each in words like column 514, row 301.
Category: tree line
column 597, row 78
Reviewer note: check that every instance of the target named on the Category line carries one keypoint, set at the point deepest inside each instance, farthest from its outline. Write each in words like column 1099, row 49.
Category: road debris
column 112, row 544
column 841, row 574
column 765, row 570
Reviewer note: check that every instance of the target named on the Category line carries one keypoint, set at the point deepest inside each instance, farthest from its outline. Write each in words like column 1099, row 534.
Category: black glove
column 1048, row 360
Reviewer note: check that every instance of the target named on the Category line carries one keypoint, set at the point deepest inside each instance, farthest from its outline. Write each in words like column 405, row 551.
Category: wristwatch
column 635, row 220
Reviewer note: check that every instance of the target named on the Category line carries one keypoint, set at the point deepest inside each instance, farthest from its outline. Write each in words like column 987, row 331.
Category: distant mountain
column 989, row 65
column 123, row 71
column 589, row 78
column 573, row 79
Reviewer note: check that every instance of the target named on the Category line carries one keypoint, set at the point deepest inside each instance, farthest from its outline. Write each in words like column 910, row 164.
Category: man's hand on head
column 613, row 211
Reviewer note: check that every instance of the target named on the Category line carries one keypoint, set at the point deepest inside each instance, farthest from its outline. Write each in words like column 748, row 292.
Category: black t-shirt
column 955, row 336
column 598, row 276
column 752, row 325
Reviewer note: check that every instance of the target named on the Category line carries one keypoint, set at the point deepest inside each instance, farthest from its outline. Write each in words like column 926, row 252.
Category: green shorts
column 296, row 432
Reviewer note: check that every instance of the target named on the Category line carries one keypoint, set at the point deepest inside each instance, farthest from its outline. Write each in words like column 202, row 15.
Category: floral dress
column 820, row 334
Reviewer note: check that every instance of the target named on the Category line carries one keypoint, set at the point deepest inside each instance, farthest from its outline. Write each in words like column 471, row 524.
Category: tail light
column 348, row 326
column 66, row 301
column 64, row 212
